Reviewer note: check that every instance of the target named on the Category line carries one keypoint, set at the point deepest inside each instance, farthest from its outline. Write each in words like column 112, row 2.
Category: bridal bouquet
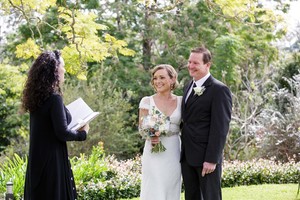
column 156, row 124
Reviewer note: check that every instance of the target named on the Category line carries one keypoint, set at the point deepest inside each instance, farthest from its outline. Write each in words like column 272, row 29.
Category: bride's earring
column 172, row 86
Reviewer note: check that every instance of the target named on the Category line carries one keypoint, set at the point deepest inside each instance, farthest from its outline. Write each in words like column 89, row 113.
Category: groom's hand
column 208, row 168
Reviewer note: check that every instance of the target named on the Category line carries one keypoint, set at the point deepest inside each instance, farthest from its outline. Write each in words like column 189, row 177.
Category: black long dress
column 49, row 175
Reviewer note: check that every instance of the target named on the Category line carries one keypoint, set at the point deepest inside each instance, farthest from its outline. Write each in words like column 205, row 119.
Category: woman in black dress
column 49, row 175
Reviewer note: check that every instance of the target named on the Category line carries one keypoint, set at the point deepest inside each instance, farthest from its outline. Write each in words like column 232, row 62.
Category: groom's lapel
column 187, row 89
column 206, row 84
column 184, row 95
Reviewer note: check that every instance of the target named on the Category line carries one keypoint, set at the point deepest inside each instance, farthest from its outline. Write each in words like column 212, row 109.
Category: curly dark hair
column 42, row 80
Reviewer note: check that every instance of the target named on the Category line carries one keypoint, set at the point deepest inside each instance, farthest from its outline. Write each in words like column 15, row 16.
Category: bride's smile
column 162, row 81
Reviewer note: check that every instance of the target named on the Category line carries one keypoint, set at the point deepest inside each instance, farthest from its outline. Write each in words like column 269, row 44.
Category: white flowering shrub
column 278, row 126
column 261, row 171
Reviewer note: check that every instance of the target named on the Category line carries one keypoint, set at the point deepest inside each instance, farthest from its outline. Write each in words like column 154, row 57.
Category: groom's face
column 196, row 66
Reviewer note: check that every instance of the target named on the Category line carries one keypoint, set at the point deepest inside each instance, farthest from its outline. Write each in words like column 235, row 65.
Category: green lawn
column 262, row 192
column 259, row 192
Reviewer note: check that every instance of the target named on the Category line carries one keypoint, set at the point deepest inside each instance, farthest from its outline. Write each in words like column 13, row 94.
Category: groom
column 206, row 113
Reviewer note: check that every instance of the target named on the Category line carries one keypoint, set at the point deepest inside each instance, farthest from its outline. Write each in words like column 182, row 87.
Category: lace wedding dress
column 161, row 172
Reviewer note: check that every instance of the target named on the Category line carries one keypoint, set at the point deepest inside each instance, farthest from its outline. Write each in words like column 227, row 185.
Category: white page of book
column 81, row 114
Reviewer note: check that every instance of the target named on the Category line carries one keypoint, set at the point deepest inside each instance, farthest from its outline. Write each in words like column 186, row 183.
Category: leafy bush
column 87, row 168
column 111, row 126
column 260, row 171
column 104, row 177
column 100, row 177
column 278, row 132
column 13, row 170
column 11, row 83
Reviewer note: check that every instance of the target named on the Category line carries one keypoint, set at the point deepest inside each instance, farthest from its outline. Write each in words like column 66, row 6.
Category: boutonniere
column 199, row 90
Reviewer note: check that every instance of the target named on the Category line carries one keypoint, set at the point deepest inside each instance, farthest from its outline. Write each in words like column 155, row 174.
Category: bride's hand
column 154, row 140
column 157, row 133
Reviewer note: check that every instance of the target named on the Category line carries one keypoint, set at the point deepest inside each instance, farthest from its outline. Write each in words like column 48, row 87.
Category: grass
column 262, row 192
column 259, row 192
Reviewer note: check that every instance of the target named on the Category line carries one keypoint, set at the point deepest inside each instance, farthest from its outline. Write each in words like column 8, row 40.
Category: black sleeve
column 220, row 118
column 59, row 120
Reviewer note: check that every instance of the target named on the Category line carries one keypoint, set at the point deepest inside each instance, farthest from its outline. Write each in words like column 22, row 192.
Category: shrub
column 13, row 170
column 277, row 126
column 119, row 179
column 111, row 126
column 104, row 177
column 236, row 173
column 86, row 168
column 11, row 84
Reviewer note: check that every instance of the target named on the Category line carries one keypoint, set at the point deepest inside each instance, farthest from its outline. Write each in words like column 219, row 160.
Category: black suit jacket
column 205, row 123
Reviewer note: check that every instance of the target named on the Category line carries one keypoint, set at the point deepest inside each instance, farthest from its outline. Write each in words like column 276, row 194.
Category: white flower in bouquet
column 151, row 121
column 161, row 128
column 165, row 127
column 156, row 124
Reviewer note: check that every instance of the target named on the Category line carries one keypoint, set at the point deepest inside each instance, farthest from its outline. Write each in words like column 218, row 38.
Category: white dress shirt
column 199, row 83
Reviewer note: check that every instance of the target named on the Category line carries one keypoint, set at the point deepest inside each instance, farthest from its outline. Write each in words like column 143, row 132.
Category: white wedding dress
column 161, row 172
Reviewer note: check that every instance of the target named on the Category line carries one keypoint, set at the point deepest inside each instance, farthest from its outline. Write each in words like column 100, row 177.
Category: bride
column 159, row 119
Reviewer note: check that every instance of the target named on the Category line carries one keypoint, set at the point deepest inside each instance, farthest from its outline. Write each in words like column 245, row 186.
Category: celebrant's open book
column 81, row 114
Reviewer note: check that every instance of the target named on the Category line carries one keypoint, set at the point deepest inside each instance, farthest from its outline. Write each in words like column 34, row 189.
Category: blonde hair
column 171, row 72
